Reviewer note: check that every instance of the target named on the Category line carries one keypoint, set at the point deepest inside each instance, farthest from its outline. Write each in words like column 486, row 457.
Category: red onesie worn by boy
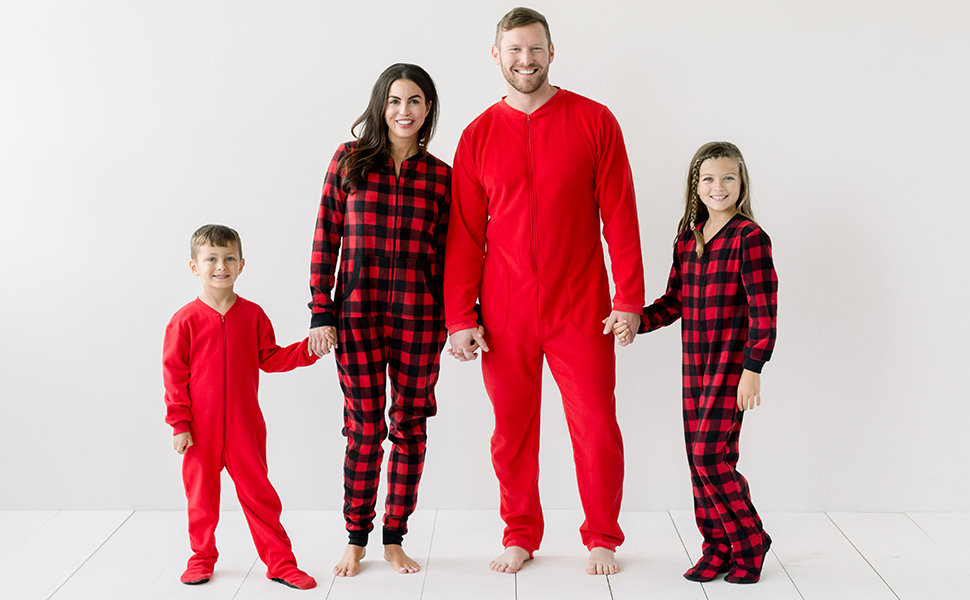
column 528, row 194
column 211, row 366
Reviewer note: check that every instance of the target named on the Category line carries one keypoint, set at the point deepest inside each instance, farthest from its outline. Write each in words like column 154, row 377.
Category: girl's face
column 719, row 186
column 405, row 112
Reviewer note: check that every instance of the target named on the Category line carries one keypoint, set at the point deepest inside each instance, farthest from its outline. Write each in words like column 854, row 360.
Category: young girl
column 386, row 201
column 723, row 285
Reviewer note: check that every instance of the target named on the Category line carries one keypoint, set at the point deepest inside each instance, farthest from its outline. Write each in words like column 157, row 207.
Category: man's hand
column 632, row 320
column 466, row 342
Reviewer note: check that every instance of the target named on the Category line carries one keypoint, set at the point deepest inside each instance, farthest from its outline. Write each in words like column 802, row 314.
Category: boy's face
column 217, row 266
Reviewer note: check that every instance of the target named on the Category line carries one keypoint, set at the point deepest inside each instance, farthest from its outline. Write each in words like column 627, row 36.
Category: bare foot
column 602, row 562
column 401, row 562
column 510, row 561
column 349, row 564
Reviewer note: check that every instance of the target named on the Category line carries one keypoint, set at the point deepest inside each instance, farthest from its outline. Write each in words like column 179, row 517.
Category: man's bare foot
column 349, row 564
column 402, row 563
column 510, row 561
column 602, row 562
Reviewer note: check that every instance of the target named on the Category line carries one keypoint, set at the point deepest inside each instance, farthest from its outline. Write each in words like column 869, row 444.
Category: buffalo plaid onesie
column 389, row 317
column 728, row 301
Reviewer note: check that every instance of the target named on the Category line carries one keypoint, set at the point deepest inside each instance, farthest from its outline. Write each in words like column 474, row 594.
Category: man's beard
column 517, row 86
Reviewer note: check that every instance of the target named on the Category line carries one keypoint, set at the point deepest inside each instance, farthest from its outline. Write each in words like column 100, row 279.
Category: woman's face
column 405, row 112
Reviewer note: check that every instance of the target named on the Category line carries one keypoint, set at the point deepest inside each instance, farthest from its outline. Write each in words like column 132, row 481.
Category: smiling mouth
column 526, row 71
column 405, row 122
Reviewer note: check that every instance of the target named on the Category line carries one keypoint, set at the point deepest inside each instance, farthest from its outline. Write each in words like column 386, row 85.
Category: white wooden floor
column 131, row 555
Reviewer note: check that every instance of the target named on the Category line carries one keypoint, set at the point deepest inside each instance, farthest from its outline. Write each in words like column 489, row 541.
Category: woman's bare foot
column 401, row 562
column 510, row 561
column 349, row 564
column 602, row 562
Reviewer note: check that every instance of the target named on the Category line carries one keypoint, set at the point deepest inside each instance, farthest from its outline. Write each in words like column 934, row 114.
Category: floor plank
column 237, row 555
column 464, row 543
column 653, row 560
column 318, row 540
column 130, row 560
column 559, row 567
column 49, row 557
column 909, row 561
column 950, row 530
column 821, row 562
column 16, row 527
column 774, row 585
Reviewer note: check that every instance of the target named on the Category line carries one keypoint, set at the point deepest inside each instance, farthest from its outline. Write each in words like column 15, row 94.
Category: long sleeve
column 465, row 250
column 276, row 359
column 326, row 245
column 666, row 309
column 761, row 288
column 175, row 375
column 618, row 211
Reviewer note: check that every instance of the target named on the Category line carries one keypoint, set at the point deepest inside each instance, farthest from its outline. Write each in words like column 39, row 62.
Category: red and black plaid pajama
column 390, row 232
column 728, row 301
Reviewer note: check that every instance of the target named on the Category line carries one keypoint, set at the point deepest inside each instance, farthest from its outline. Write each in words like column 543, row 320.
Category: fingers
column 749, row 402
column 480, row 339
column 609, row 321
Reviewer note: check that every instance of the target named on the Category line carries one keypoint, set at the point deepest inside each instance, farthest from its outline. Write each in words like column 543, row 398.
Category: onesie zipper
column 225, row 380
column 532, row 197
column 394, row 229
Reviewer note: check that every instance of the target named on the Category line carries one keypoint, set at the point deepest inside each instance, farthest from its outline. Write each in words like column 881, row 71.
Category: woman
column 386, row 200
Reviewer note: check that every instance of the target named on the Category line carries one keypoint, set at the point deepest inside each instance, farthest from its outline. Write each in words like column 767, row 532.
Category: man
column 533, row 176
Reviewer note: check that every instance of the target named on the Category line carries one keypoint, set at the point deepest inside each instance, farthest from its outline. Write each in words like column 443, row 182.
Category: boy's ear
column 242, row 263
column 194, row 268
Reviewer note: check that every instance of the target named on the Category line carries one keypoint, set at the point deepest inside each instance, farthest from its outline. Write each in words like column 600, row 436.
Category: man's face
column 524, row 56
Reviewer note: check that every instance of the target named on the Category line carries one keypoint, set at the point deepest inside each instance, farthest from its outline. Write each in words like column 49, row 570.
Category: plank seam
column 100, row 546
column 427, row 562
column 684, row 544
column 851, row 543
column 935, row 542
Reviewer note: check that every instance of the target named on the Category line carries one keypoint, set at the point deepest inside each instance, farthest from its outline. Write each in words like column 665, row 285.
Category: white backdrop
column 127, row 125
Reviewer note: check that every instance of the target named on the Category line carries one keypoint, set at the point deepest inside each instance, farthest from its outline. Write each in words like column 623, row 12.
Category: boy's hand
column 465, row 343
column 322, row 340
column 182, row 442
column 749, row 390
column 632, row 321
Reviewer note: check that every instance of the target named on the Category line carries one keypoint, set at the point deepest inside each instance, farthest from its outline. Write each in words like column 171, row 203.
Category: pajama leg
column 512, row 371
column 716, row 548
column 586, row 382
column 714, row 456
column 261, row 506
column 201, row 471
column 415, row 353
column 361, row 363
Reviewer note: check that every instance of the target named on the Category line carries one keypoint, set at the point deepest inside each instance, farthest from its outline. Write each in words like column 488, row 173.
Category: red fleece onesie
column 528, row 194
column 211, row 369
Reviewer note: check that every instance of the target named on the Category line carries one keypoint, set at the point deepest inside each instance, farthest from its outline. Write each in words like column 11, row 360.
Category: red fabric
column 528, row 195
column 393, row 230
column 211, row 369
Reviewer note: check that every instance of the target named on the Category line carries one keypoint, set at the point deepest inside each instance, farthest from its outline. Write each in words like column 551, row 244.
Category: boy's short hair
column 214, row 235
column 520, row 17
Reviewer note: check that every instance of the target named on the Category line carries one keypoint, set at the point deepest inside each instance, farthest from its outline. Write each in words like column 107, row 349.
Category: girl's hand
column 621, row 329
column 749, row 390
column 182, row 442
column 322, row 339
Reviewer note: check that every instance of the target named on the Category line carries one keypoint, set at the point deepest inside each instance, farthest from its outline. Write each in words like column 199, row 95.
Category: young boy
column 214, row 348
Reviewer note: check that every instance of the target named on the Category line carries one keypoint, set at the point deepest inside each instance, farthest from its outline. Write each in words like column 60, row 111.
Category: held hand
column 749, row 390
column 322, row 339
column 632, row 321
column 621, row 329
column 466, row 342
column 182, row 442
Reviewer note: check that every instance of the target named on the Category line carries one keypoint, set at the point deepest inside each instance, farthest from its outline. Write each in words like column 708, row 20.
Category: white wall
column 127, row 125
